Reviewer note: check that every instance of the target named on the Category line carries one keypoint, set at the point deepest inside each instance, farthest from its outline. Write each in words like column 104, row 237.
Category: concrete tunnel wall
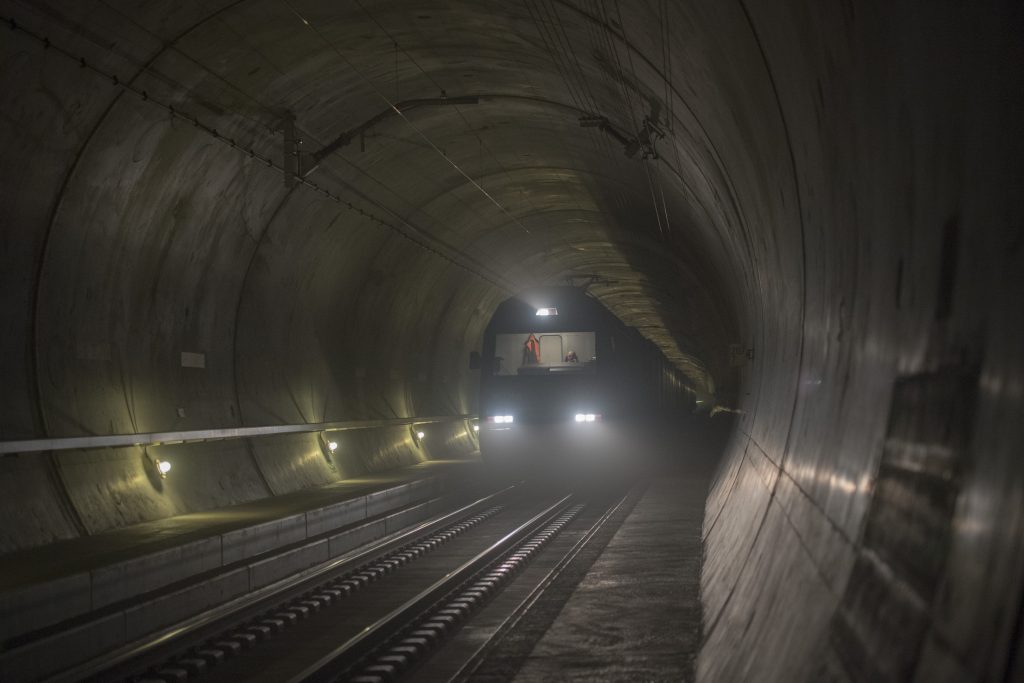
column 837, row 184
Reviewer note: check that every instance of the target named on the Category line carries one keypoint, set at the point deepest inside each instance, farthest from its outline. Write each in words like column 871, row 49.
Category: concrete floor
column 146, row 576
column 637, row 613
column 628, row 606
column 70, row 557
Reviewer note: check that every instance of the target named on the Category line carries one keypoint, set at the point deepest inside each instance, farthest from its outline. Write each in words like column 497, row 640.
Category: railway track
column 394, row 609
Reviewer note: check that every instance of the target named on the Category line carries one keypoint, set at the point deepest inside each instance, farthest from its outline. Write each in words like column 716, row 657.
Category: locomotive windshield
column 542, row 353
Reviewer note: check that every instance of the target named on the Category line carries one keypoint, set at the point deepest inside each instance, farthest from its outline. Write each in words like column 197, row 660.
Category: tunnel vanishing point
column 248, row 213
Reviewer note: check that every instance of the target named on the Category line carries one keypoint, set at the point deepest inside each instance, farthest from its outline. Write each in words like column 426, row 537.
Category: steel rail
column 345, row 655
column 200, row 435
column 275, row 592
column 473, row 663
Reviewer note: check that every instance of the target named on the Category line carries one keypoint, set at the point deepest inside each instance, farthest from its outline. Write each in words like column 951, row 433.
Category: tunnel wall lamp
column 328, row 449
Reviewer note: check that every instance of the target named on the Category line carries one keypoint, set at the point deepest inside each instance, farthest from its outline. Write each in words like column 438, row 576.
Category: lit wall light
column 163, row 467
column 476, row 428
column 420, row 435
column 332, row 446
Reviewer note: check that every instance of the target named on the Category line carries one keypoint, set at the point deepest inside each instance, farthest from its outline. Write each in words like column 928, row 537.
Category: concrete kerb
column 51, row 654
column 42, row 605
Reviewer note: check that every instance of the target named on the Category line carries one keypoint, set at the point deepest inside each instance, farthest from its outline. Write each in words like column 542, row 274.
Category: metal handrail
column 199, row 435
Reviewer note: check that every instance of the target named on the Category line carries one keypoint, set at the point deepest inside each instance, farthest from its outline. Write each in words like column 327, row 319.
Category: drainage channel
column 399, row 641
column 200, row 644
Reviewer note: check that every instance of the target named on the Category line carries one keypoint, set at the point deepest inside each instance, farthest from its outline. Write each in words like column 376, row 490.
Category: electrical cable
column 399, row 112
column 579, row 80
column 212, row 132
column 272, row 114
column 559, row 67
column 440, row 88
column 564, row 39
column 650, row 181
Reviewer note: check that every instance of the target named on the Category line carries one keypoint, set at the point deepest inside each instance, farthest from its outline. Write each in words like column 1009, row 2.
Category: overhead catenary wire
column 570, row 86
column 306, row 134
column 429, row 77
column 559, row 28
column 563, row 236
column 405, row 118
column 249, row 151
column 262, row 126
column 575, row 81
column 577, row 93
column 274, row 115
column 440, row 88
column 666, row 66
column 620, row 76
column 558, row 45
column 598, row 21
column 658, row 210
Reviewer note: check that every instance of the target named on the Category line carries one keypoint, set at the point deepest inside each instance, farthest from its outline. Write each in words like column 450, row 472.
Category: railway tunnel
column 291, row 220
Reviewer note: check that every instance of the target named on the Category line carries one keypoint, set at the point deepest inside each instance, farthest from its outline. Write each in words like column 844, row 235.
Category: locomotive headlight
column 501, row 419
column 586, row 417
column 580, row 417
column 591, row 417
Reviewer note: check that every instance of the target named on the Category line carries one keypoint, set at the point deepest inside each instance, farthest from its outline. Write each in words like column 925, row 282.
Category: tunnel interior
column 272, row 212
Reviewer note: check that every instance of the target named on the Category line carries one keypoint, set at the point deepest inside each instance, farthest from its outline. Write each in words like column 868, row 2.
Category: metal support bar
column 197, row 435
column 359, row 131
column 631, row 145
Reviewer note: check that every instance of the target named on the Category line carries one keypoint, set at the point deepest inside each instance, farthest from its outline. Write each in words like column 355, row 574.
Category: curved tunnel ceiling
column 512, row 188
column 827, row 187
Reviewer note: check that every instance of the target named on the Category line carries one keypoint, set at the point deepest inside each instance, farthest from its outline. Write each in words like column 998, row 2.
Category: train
column 561, row 377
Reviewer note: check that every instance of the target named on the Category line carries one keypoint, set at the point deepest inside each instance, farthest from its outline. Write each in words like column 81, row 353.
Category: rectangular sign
column 190, row 359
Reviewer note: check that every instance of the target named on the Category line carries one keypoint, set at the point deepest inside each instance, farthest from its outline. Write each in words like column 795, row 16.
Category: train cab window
column 551, row 349
column 528, row 353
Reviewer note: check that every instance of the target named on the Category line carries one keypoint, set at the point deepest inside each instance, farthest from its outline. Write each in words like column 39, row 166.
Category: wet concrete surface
column 43, row 587
column 637, row 613
column 628, row 606
column 83, row 554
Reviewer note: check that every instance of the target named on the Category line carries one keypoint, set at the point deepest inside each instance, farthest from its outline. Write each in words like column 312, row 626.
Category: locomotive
column 561, row 378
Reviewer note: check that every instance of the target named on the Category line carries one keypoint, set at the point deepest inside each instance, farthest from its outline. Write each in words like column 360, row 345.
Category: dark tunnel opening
column 255, row 242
